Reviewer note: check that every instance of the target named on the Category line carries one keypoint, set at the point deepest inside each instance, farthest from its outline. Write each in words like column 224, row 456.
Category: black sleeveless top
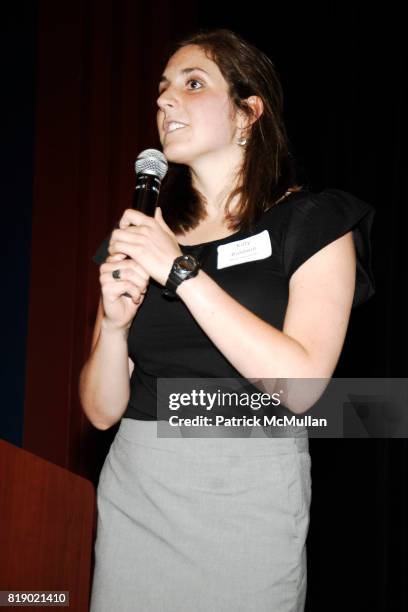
column 164, row 339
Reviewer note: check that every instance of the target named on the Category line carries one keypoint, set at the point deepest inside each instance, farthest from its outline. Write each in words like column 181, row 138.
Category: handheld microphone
column 151, row 167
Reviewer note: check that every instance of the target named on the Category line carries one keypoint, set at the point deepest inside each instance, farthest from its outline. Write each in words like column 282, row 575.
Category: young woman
column 215, row 523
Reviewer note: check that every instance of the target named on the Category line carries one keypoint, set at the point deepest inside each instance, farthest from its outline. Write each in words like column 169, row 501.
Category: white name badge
column 247, row 249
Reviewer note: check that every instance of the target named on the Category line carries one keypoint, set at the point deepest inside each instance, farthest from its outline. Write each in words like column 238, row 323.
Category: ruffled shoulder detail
column 320, row 218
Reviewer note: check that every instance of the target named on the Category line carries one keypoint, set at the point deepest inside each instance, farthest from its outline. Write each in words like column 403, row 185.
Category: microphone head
column 151, row 161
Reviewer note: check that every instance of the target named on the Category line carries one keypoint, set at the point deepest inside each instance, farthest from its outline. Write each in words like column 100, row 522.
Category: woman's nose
column 167, row 98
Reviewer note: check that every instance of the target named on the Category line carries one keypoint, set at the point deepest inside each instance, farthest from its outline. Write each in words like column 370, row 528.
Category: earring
column 242, row 141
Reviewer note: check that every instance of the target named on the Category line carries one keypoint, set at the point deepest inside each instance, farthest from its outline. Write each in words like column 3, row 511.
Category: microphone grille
column 151, row 161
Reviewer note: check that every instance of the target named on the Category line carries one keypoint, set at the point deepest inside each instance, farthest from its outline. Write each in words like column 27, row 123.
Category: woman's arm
column 104, row 387
column 320, row 297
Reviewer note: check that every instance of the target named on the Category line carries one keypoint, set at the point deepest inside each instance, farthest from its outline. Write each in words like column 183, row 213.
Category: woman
column 216, row 524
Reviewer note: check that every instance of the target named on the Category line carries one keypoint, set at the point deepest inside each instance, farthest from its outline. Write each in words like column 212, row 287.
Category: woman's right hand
column 120, row 309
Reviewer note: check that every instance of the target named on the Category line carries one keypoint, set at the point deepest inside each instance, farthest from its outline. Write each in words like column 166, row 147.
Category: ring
column 116, row 274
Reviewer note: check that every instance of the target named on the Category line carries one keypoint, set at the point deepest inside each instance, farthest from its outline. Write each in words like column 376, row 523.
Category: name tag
column 242, row 251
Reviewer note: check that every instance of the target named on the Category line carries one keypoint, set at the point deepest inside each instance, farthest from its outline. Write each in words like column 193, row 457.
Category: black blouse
column 164, row 339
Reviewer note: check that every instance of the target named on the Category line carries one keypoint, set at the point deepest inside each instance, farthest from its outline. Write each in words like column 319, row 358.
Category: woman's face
column 200, row 101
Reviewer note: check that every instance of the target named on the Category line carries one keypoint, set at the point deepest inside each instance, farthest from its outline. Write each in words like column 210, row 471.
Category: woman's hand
column 119, row 309
column 148, row 241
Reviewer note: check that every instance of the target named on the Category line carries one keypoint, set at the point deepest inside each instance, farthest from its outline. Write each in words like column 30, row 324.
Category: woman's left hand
column 147, row 240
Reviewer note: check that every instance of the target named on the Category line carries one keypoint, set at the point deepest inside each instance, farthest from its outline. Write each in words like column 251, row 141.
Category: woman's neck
column 214, row 179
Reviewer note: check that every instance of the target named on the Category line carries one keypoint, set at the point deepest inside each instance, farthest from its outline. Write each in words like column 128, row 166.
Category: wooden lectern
column 47, row 527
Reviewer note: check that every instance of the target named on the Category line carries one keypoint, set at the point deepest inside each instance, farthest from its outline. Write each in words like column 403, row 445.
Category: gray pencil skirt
column 203, row 525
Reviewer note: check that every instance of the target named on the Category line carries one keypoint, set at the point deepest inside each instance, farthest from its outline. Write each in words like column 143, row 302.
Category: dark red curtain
column 98, row 64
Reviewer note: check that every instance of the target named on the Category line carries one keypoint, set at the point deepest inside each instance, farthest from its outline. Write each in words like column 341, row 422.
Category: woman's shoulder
column 311, row 220
column 328, row 197
column 325, row 209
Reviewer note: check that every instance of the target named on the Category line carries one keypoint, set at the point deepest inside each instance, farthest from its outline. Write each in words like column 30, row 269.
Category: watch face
column 187, row 264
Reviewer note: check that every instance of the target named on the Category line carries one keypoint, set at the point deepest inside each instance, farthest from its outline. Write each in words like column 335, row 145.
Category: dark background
column 343, row 72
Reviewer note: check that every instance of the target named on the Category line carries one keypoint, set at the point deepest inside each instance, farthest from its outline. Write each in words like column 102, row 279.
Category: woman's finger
column 134, row 217
column 115, row 271
column 112, row 291
column 130, row 233
column 115, row 257
column 128, row 264
column 129, row 248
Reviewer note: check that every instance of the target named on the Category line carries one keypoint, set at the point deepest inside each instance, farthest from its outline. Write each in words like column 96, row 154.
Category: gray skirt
column 210, row 525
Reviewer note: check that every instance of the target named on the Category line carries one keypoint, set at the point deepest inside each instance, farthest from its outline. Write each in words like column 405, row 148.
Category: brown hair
column 269, row 170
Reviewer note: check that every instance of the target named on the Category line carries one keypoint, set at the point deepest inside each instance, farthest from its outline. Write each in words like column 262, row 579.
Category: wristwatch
column 184, row 267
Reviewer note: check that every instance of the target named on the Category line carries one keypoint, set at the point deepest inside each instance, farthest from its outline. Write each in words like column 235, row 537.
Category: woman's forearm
column 104, row 385
column 255, row 348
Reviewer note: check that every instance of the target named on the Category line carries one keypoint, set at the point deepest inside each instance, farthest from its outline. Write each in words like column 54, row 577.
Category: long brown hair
column 269, row 170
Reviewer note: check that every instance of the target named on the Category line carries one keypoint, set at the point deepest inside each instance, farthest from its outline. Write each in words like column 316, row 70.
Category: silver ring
column 116, row 274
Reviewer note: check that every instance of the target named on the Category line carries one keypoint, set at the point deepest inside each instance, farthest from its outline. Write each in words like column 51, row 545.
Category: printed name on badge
column 242, row 251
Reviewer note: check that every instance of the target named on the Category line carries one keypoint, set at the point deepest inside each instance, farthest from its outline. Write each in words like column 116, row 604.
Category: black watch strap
column 172, row 283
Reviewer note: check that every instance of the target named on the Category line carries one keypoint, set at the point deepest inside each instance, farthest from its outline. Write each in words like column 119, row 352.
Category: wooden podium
column 47, row 527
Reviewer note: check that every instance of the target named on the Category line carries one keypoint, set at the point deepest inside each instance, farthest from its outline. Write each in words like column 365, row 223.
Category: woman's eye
column 161, row 91
column 194, row 81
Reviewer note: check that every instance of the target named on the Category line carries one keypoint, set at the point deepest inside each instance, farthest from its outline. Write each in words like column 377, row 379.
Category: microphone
column 151, row 167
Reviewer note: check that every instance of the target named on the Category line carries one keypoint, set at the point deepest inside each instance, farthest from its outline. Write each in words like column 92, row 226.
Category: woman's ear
column 256, row 106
